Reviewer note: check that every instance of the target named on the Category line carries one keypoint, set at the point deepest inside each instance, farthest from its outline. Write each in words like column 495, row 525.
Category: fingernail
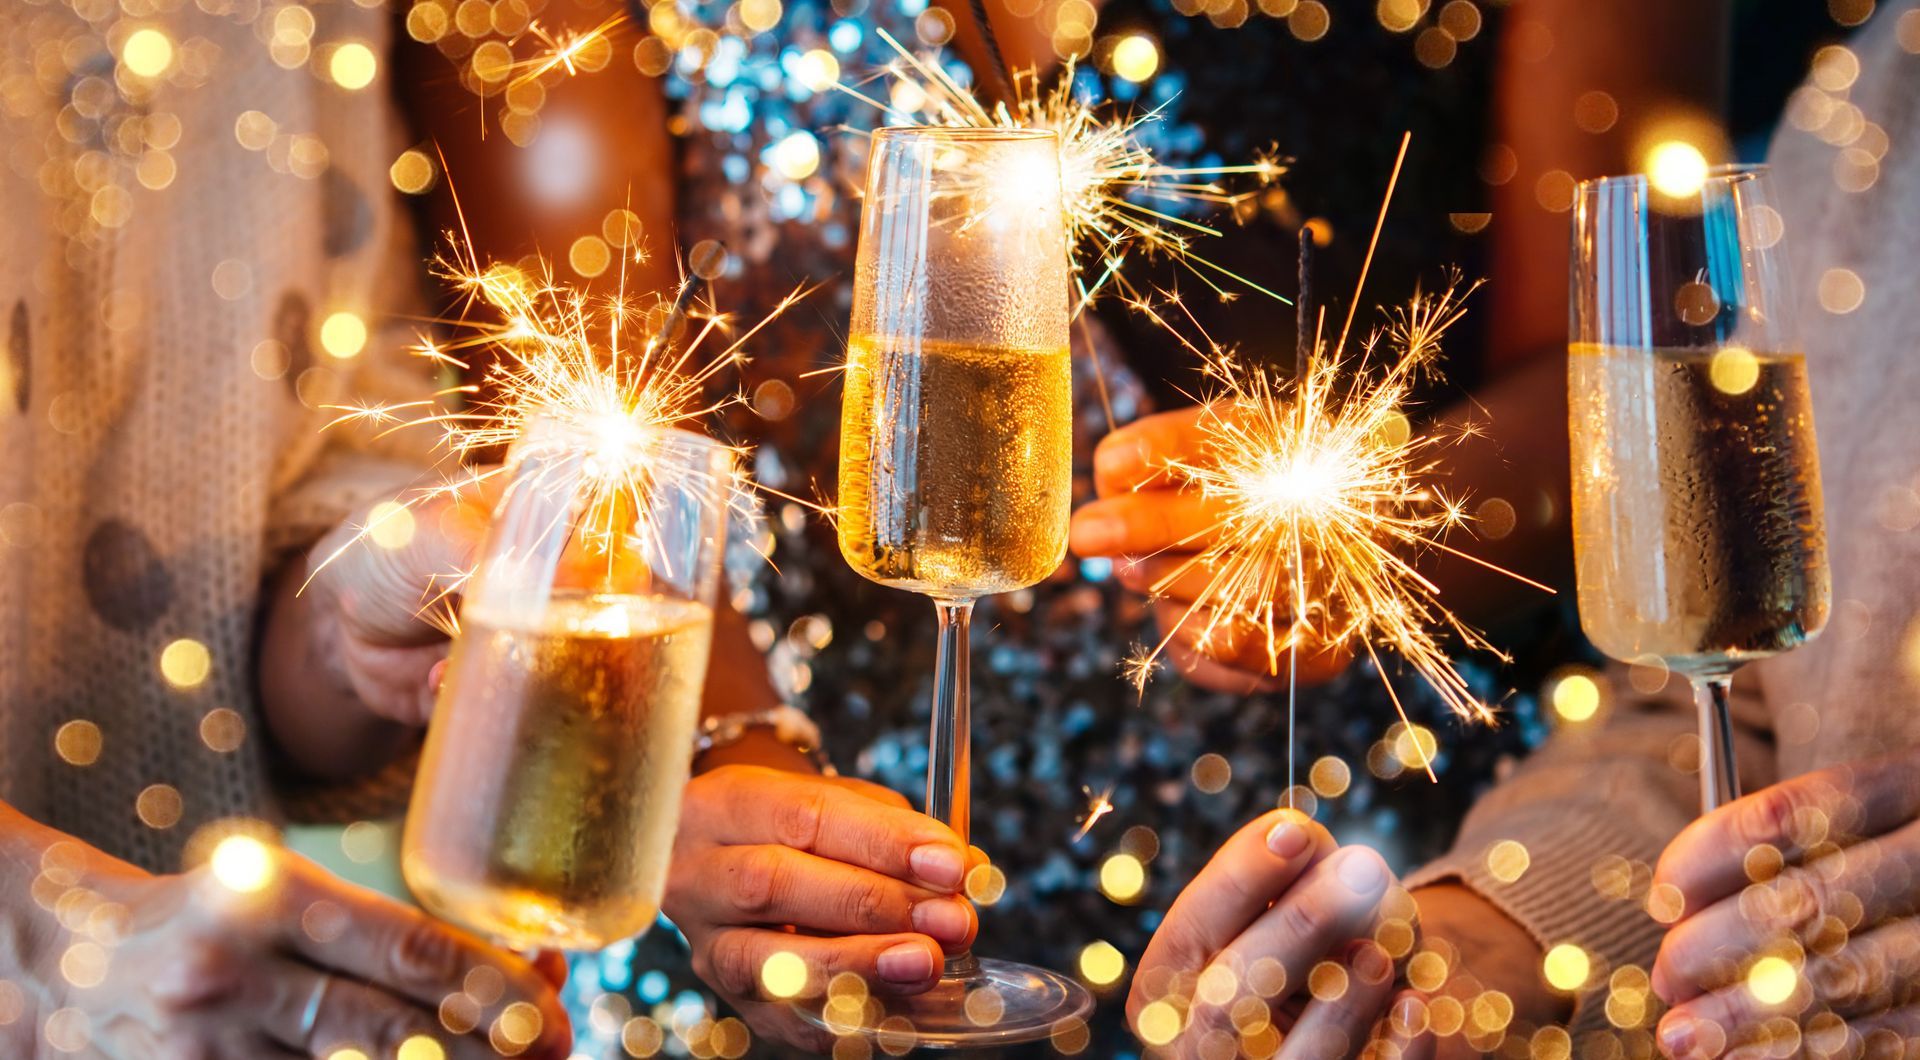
column 1288, row 840
column 938, row 865
column 1096, row 535
column 1362, row 872
column 905, row 963
column 436, row 675
column 1676, row 1036
column 944, row 919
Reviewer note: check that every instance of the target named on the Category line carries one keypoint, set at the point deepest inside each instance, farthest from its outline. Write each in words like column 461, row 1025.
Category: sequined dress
column 1055, row 725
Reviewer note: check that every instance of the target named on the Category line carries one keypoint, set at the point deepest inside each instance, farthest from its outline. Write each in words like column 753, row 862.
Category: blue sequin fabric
column 1054, row 720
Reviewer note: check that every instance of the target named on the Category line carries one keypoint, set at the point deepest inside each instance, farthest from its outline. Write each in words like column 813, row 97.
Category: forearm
column 312, row 711
column 738, row 683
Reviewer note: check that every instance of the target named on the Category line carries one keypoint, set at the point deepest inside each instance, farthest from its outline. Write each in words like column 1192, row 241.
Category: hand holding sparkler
column 365, row 627
column 1254, row 947
column 1153, row 525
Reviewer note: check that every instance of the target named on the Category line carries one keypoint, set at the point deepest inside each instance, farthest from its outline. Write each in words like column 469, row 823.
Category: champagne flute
column 956, row 447
column 549, row 788
column 1697, row 521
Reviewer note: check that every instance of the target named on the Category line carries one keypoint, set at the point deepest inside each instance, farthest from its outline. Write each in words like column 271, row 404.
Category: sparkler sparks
column 1109, row 176
column 615, row 369
column 1323, row 497
column 1324, row 500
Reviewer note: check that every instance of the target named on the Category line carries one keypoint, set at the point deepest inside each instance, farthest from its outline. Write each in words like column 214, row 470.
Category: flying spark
column 1099, row 804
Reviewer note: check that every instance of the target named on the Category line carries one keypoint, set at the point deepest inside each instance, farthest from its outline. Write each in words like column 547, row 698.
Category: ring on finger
column 311, row 1014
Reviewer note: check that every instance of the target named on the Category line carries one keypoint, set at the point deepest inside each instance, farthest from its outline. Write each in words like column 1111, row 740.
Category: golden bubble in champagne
column 1697, row 516
column 956, row 465
column 545, row 807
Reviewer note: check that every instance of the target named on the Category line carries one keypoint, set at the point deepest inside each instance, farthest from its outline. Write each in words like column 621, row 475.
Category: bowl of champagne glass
column 549, row 788
column 1699, row 535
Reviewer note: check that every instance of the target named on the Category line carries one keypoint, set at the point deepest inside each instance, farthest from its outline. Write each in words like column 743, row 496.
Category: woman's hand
column 1153, row 529
column 839, row 872
column 1821, row 873
column 1278, row 899
column 347, row 653
column 303, row 966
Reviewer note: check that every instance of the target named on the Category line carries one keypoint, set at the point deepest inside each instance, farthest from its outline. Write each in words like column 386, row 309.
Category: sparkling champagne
column 956, row 465
column 545, row 814
column 1696, row 505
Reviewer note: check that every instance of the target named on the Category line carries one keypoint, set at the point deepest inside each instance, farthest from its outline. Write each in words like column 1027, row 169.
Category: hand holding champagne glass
column 1698, row 529
column 956, row 454
column 549, row 789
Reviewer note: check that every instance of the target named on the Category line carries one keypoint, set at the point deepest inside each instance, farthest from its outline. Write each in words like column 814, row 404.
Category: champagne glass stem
column 950, row 762
column 1719, row 773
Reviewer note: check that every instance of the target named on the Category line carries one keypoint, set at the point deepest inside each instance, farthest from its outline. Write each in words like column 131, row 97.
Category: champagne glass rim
column 963, row 134
column 569, row 425
column 1724, row 173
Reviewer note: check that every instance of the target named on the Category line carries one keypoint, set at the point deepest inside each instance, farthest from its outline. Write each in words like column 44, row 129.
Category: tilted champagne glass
column 956, row 453
column 549, row 789
column 1698, row 528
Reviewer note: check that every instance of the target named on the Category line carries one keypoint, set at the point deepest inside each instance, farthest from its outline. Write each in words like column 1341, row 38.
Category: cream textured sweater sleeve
column 1593, row 808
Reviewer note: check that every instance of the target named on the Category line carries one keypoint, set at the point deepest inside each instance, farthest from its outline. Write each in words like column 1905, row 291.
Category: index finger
column 1842, row 804
column 1137, row 453
column 757, row 805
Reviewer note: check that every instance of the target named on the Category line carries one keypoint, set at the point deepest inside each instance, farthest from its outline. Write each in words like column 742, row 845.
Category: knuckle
column 204, row 972
column 753, row 884
column 424, row 954
column 732, row 969
column 798, row 821
column 870, row 905
column 1800, row 901
column 1842, row 980
column 1768, row 816
column 1302, row 918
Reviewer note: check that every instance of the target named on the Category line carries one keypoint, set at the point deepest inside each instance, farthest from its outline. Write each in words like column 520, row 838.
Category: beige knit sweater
column 162, row 388
column 1610, row 789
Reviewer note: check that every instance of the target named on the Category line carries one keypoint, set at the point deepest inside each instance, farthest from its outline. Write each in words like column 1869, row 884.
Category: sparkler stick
column 1002, row 73
column 1302, row 307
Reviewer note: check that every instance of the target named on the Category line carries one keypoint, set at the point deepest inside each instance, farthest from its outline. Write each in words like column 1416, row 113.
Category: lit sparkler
column 1109, row 177
column 1324, row 498
column 616, row 368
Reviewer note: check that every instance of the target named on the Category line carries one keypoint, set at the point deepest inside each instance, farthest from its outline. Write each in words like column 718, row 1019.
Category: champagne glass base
column 1003, row 1003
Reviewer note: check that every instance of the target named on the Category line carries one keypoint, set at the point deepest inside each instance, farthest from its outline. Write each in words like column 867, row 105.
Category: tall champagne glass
column 1698, row 530
column 956, row 455
column 549, row 789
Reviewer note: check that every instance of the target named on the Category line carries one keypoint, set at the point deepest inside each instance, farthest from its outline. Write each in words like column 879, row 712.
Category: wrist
column 779, row 738
column 1493, row 948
